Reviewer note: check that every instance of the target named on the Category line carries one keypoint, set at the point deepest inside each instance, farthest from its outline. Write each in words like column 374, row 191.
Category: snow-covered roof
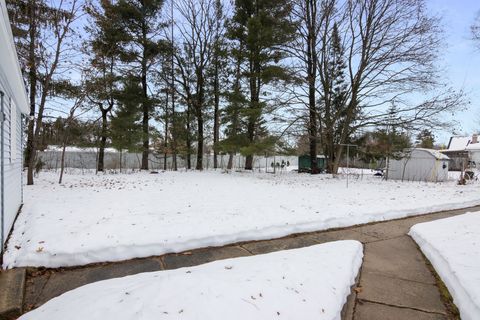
column 435, row 153
column 473, row 146
column 458, row 143
column 11, row 81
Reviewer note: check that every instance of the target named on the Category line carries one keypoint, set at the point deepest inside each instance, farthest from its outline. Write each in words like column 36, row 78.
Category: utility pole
column 348, row 157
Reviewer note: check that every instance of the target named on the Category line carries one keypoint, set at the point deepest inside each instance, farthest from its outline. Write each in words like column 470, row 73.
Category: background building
column 420, row 165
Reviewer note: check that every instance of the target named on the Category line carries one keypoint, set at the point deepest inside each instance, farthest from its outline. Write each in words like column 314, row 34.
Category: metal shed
column 419, row 165
column 13, row 104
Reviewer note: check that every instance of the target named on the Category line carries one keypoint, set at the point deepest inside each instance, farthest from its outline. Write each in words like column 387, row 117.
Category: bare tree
column 78, row 100
column 103, row 50
column 217, row 57
column 309, row 16
column 197, row 29
column 52, row 62
column 476, row 30
column 390, row 49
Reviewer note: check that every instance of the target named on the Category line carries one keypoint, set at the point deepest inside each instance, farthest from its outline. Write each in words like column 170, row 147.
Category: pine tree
column 141, row 24
column 425, row 139
column 126, row 127
column 262, row 27
column 103, row 48
column 235, row 135
column 333, row 102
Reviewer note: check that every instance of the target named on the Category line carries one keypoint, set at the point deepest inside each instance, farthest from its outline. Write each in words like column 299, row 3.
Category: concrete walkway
column 395, row 282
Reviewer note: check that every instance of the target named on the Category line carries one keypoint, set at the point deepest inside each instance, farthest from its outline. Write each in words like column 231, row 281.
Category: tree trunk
column 199, row 141
column 145, row 135
column 165, row 154
column 311, row 76
column 336, row 162
column 188, row 141
column 249, row 162
column 145, row 104
column 62, row 163
column 174, row 133
column 216, row 116
column 103, row 142
column 230, row 161
column 32, row 75
column 254, row 104
column 251, row 139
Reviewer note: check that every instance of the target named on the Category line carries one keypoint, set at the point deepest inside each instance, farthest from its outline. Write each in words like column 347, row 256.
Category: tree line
column 242, row 76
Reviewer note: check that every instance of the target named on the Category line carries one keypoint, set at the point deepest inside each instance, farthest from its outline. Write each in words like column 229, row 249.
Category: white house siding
column 15, row 103
column 12, row 165
column 474, row 153
column 420, row 165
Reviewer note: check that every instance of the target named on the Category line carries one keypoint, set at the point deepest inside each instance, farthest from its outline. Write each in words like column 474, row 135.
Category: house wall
column 12, row 166
column 15, row 104
column 419, row 166
column 475, row 156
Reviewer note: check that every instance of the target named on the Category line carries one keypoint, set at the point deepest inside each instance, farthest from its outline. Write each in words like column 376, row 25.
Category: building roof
column 458, row 143
column 435, row 153
column 473, row 146
column 10, row 74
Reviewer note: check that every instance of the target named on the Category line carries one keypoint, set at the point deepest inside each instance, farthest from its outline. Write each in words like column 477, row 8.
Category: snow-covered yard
column 307, row 283
column 453, row 247
column 93, row 218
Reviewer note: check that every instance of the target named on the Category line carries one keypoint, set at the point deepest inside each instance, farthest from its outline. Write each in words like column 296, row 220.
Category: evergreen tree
column 126, row 126
column 425, row 139
column 261, row 28
column 236, row 137
column 103, row 49
column 141, row 24
column 333, row 102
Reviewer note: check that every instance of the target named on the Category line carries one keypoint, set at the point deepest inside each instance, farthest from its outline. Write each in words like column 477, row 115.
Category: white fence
column 86, row 159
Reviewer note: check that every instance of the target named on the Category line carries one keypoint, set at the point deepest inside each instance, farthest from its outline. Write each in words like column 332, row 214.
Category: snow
column 453, row 247
column 473, row 147
column 112, row 217
column 306, row 283
column 458, row 143
column 78, row 149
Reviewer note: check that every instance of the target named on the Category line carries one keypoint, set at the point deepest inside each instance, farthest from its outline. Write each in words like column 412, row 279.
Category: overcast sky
column 461, row 59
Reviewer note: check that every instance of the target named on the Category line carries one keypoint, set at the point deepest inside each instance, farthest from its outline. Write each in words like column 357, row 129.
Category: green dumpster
column 304, row 163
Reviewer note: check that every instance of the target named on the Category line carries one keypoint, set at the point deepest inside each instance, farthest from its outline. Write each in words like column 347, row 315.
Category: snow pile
column 307, row 283
column 453, row 247
column 115, row 217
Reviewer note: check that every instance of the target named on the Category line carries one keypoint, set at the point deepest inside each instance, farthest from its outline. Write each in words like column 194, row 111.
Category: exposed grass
column 447, row 299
